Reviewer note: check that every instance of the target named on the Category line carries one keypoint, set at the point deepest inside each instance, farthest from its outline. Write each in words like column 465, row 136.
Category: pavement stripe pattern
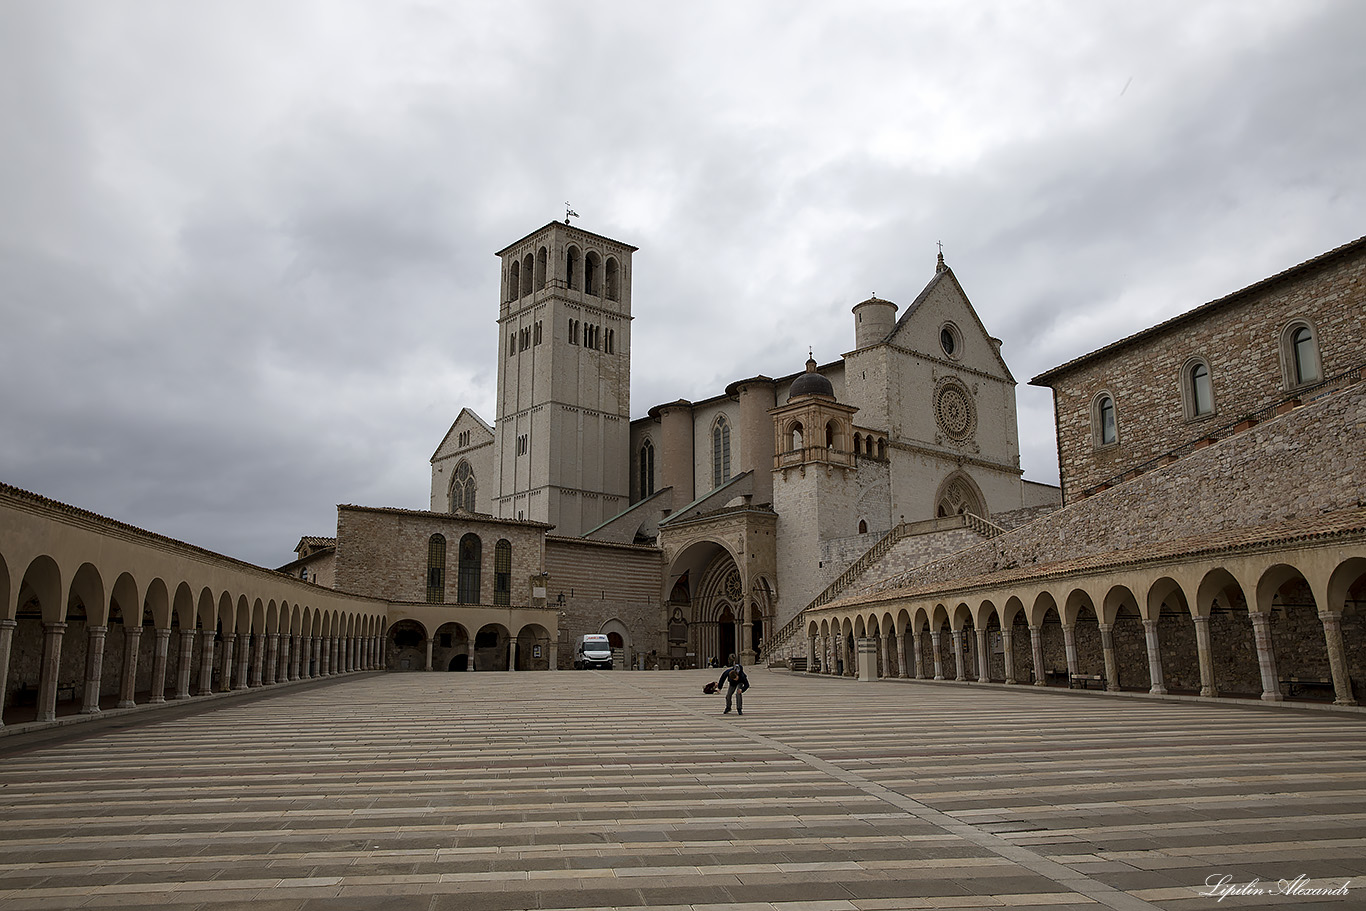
column 504, row 792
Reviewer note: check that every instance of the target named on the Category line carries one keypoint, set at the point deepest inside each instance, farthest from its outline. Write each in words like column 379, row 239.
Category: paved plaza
column 632, row 790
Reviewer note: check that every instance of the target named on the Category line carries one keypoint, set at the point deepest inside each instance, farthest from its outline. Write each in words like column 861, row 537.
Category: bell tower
column 562, row 431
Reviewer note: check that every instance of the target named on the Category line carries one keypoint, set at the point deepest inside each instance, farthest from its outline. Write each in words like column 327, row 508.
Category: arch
column 470, row 557
column 491, row 647
column 863, row 526
column 502, row 572
column 1197, row 391
column 647, row 468
column 436, row 569
column 794, row 435
column 571, row 268
column 832, row 434
column 959, row 494
column 514, row 287
column 720, row 451
column 1104, row 421
column 542, row 260
column 406, row 646
column 612, row 279
column 463, row 487
column 531, row 639
column 528, row 272
column 592, row 274
column 87, row 590
column 1300, row 359
column 881, row 448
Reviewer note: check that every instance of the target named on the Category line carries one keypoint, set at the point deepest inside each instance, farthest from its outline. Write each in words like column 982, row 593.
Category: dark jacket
column 725, row 678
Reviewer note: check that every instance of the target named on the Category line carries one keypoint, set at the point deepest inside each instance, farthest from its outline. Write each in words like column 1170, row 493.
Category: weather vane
column 569, row 213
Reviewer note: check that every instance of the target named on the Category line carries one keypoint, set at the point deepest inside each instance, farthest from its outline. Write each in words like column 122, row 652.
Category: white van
column 594, row 651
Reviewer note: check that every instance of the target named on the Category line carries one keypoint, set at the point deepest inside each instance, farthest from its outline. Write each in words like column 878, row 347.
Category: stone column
column 936, row 654
column 225, row 662
column 206, row 662
column 904, row 668
column 850, row 648
column 315, row 667
column 1266, row 656
column 258, row 659
column 183, row 663
column 915, row 653
column 512, row 654
column 469, row 655
column 823, row 649
column 132, row 636
column 52, row 666
column 1154, row 658
column 885, row 649
column 7, row 628
column 1036, row 650
column 1008, row 652
column 94, row 667
column 161, row 649
column 956, row 637
column 1206, row 658
column 272, row 672
column 1107, row 646
column 428, row 666
column 243, row 660
column 1069, row 646
column 982, row 675
column 298, row 656
column 810, row 653
column 1337, row 657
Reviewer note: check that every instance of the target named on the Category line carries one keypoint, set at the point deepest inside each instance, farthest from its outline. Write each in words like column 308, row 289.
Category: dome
column 810, row 383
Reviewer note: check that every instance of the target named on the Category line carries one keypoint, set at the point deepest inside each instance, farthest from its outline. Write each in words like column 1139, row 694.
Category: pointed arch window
column 720, row 452
column 436, row 569
column 471, row 553
column 462, row 487
column 647, row 469
column 502, row 572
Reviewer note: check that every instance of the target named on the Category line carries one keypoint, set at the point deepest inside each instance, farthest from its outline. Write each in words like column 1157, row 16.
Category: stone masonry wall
column 1239, row 340
column 1307, row 462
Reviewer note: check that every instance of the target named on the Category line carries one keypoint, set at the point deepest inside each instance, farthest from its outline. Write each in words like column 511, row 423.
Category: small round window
column 948, row 341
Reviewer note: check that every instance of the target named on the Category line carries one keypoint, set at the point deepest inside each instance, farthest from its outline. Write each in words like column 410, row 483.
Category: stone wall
column 601, row 588
column 1300, row 464
column 1239, row 338
column 382, row 553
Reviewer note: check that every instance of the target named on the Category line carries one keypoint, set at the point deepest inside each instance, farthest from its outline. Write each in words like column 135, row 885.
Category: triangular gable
column 945, row 291
column 465, row 420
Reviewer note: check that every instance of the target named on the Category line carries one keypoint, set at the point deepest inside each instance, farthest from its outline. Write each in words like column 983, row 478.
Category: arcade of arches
column 1265, row 619
column 714, row 614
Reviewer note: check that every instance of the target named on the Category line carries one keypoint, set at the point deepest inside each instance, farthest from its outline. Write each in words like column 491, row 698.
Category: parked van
column 594, row 651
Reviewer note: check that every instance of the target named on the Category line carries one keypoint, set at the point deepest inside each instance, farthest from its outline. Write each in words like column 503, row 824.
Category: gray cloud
column 246, row 251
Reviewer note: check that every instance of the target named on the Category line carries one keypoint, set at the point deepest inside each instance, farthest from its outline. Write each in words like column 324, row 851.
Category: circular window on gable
column 948, row 340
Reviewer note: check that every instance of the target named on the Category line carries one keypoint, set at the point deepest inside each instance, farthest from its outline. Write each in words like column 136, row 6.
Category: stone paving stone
column 827, row 795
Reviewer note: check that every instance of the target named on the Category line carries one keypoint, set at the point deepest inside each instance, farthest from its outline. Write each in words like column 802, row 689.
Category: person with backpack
column 736, row 682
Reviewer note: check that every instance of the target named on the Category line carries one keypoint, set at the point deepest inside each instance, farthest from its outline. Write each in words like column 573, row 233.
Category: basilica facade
column 753, row 501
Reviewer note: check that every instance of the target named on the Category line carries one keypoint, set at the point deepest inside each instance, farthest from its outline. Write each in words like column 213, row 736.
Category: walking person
column 736, row 683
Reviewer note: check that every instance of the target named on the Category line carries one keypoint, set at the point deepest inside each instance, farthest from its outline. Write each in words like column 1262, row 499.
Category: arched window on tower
column 528, row 270
column 590, row 273
column 436, row 569
column 858, row 444
column 613, row 280
column 502, row 572
column 541, row 262
column 795, row 436
column 830, row 435
column 471, row 553
column 647, row 469
column 514, row 280
column 720, row 452
column 571, row 267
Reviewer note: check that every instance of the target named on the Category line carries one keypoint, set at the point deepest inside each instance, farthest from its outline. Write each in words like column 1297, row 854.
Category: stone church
column 753, row 502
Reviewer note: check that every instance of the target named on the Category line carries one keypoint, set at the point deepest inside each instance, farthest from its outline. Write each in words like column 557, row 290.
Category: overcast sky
column 246, row 248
